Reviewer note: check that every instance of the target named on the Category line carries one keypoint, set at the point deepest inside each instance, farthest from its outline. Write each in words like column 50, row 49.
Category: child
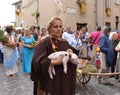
column 97, row 56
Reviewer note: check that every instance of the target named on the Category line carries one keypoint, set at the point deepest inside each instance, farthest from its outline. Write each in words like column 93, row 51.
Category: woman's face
column 115, row 36
column 76, row 34
column 43, row 32
column 56, row 29
column 27, row 32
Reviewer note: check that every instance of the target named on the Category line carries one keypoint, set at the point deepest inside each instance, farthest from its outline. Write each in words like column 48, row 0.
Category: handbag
column 117, row 48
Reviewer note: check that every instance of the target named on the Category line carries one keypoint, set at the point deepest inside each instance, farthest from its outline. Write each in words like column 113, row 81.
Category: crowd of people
column 99, row 45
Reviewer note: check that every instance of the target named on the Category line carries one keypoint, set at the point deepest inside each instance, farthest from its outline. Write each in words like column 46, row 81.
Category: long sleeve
column 106, row 47
column 40, row 62
column 102, row 43
column 62, row 83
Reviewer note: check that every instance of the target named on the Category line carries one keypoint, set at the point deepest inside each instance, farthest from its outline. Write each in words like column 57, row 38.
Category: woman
column 114, row 39
column 11, row 54
column 27, row 51
column 42, row 35
column 61, row 84
column 76, row 43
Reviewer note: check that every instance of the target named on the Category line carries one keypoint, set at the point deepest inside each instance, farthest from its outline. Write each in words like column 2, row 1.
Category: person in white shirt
column 76, row 42
column 68, row 34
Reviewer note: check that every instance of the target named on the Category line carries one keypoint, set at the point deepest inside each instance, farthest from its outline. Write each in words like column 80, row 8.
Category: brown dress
column 61, row 84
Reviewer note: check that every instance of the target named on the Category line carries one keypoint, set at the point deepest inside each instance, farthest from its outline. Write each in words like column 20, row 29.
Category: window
column 116, row 21
column 107, row 23
column 80, row 25
column 18, row 7
column 117, row 2
column 107, row 3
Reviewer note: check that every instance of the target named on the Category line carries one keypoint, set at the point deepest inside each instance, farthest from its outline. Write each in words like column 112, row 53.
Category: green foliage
column 1, row 32
column 34, row 43
column 3, row 39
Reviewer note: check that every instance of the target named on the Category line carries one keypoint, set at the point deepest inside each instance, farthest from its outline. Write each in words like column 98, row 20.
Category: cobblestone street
column 22, row 85
column 93, row 88
column 74, row 46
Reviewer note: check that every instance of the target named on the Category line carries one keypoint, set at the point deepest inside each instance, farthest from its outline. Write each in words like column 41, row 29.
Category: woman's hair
column 76, row 32
column 106, row 29
column 32, row 27
column 50, row 23
column 85, row 28
column 9, row 29
column 27, row 30
column 111, row 35
column 43, row 29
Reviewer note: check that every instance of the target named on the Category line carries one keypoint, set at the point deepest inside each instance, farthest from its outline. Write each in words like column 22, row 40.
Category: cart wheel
column 84, row 78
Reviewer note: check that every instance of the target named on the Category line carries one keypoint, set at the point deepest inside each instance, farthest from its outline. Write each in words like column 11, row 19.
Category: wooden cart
column 84, row 76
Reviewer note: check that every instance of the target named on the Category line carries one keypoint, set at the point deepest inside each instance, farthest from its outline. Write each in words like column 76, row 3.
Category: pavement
column 93, row 88
column 22, row 85
column 19, row 85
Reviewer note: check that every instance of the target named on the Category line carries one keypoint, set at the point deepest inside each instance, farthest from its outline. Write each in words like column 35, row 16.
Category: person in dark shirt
column 106, row 55
column 114, row 39
column 33, row 32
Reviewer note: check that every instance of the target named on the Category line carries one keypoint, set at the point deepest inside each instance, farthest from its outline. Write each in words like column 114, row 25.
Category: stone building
column 75, row 13
column 18, row 12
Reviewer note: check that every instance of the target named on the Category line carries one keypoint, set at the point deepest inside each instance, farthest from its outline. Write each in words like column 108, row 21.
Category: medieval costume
column 61, row 84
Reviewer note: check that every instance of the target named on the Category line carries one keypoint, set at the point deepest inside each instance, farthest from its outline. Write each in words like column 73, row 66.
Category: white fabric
column 117, row 48
column 68, row 36
column 7, row 51
column 56, row 1
column 104, row 68
column 11, row 70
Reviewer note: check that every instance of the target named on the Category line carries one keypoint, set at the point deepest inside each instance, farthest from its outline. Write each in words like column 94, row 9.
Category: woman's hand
column 79, row 47
column 69, row 50
column 29, row 46
column 13, row 45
